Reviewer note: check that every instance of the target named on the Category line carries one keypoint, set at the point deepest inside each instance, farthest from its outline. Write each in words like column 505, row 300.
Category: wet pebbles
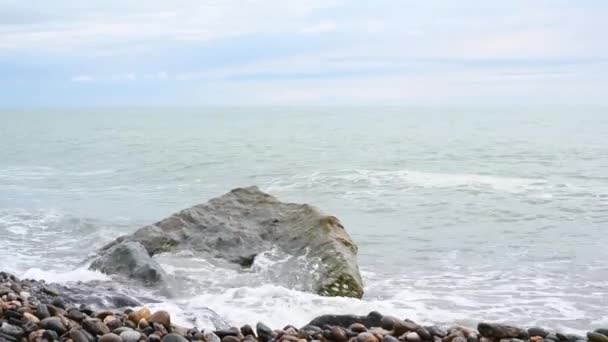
column 25, row 317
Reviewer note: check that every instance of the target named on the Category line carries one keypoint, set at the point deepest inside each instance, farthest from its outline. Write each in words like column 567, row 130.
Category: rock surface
column 236, row 227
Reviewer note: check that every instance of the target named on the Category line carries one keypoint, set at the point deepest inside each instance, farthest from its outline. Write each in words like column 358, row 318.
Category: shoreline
column 34, row 311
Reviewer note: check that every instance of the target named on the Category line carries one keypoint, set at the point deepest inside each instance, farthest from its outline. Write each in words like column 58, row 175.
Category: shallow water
column 460, row 215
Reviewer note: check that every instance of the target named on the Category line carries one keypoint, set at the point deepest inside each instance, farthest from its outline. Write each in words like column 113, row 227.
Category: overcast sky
column 307, row 52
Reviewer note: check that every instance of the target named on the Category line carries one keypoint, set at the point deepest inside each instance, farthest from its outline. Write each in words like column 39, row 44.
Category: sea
column 461, row 215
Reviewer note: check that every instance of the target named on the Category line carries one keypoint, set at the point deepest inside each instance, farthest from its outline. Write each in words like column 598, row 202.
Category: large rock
column 243, row 223
column 131, row 259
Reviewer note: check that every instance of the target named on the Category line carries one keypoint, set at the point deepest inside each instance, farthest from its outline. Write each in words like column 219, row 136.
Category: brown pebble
column 161, row 317
column 338, row 334
column 357, row 327
column 247, row 330
column 142, row 324
column 31, row 317
column 413, row 337
column 366, row 337
column 536, row 339
column 110, row 337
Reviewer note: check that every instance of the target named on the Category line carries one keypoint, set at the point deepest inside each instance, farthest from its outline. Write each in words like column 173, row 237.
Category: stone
column 130, row 336
column 401, row 327
column 389, row 338
column 263, row 332
column 76, row 315
column 601, row 331
column 42, row 311
column 110, row 337
column 247, row 330
column 424, row 334
column 552, row 337
column 597, row 337
column 366, row 337
column 373, row 319
column 144, row 313
column 130, row 258
column 536, row 338
column 227, row 332
column 209, row 336
column 459, row 339
column 537, row 331
column 338, row 334
column 95, row 327
column 413, row 337
column 174, row 338
column 142, row 324
column 471, row 337
column 499, row 331
column 436, row 331
column 161, row 317
column 53, row 323
column 387, row 322
column 77, row 336
column 11, row 330
column 231, row 338
column 357, row 327
column 238, row 226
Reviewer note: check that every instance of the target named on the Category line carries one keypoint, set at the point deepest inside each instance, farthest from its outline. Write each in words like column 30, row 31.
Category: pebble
column 357, row 327
column 424, row 334
column 263, row 332
column 413, row 337
column 77, row 336
column 31, row 317
column 230, row 338
column 209, row 336
column 54, row 324
column 389, row 338
column 42, row 311
column 247, row 330
column 597, row 337
column 175, row 338
column 601, row 331
column 130, row 336
column 95, row 327
column 436, row 331
column 11, row 330
column 161, row 317
column 366, row 337
column 110, row 337
column 387, row 322
column 338, row 334
column 537, row 331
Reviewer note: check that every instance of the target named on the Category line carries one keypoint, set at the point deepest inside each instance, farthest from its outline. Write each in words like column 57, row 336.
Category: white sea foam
column 80, row 274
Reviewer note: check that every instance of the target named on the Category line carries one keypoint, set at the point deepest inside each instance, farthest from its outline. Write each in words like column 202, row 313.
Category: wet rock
column 130, row 258
column 227, row 332
column 471, row 337
column 388, row 322
column 425, row 335
column 536, row 339
column 401, row 327
column 142, row 324
column 54, row 324
column 413, row 337
column 389, row 338
column 499, row 331
column 231, row 338
column 357, row 327
column 373, row 319
column 174, row 338
column 601, row 331
column 436, row 331
column 247, row 330
column 76, row 315
column 459, row 339
column 161, row 317
column 597, row 337
column 537, row 331
column 241, row 224
column 264, row 332
column 209, row 336
column 552, row 337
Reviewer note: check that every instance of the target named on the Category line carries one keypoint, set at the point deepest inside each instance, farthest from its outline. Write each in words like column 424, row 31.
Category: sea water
column 460, row 214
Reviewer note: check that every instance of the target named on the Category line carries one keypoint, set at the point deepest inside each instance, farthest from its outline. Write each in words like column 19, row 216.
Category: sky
column 309, row 52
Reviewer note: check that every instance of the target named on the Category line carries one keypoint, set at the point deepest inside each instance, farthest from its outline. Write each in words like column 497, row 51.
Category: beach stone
column 42, row 311
column 597, row 337
column 76, row 315
column 161, row 317
column 50, row 335
column 77, row 336
column 95, row 327
column 536, row 339
column 459, row 339
column 357, row 327
column 263, row 332
column 413, row 337
column 110, row 337
column 131, row 259
column 436, row 331
column 373, row 319
column 389, row 338
column 53, row 323
column 144, row 313
column 366, row 337
column 227, row 332
column 142, row 324
column 174, row 338
column 601, row 331
column 231, row 338
column 130, row 336
column 424, row 334
column 538, row 331
column 209, row 336
column 552, row 337
column 36, row 336
column 499, row 331
column 388, row 322
column 154, row 338
column 471, row 337
column 247, row 330
column 338, row 334
column 11, row 330
column 236, row 227
column 310, row 332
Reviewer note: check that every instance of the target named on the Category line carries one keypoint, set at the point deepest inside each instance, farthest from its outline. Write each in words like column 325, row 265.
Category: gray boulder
column 129, row 258
column 238, row 226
